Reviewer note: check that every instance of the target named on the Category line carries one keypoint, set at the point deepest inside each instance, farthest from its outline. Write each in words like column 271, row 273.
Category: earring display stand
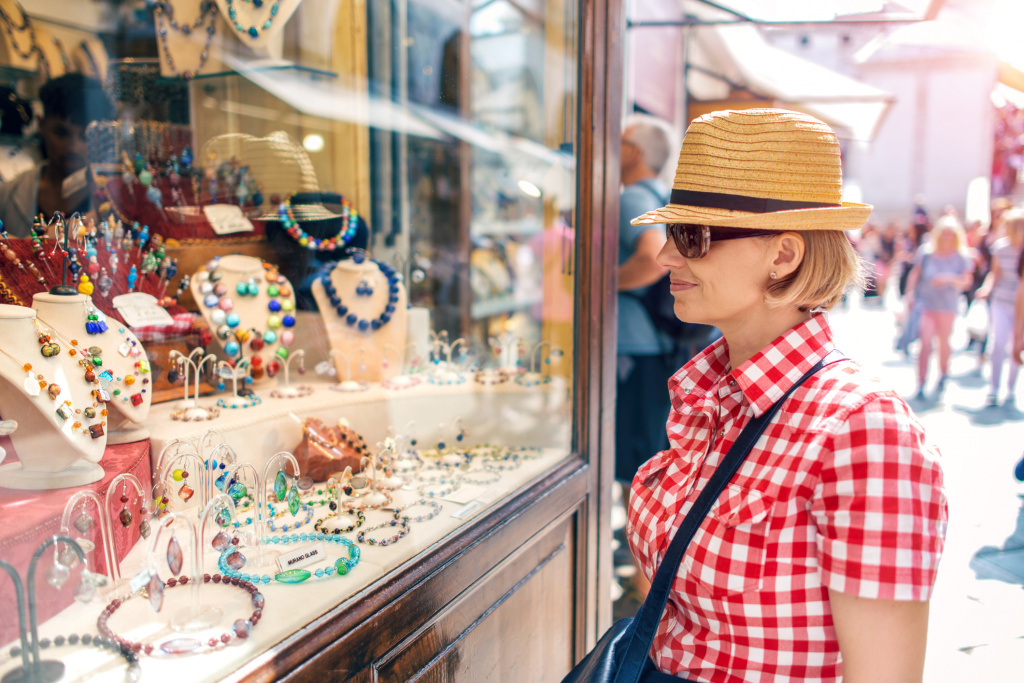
column 43, row 464
column 123, row 357
column 254, row 317
column 347, row 340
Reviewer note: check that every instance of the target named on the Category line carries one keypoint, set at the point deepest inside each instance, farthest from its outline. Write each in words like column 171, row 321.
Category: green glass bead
column 272, row 290
column 280, row 486
column 342, row 566
column 292, row 576
column 282, row 352
column 293, row 501
column 237, row 490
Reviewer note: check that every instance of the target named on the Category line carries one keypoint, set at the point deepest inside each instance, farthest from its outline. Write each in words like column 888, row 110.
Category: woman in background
column 1000, row 288
column 941, row 272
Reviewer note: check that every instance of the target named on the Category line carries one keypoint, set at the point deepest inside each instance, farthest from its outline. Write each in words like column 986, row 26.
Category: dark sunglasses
column 693, row 241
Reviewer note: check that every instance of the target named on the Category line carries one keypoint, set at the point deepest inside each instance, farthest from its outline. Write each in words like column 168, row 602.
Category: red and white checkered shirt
column 841, row 492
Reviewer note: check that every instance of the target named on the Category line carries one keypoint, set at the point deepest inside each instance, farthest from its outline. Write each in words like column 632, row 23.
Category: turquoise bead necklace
column 253, row 32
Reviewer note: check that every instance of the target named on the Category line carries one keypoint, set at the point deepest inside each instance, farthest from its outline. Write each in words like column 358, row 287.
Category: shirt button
column 686, row 390
column 732, row 382
column 721, row 433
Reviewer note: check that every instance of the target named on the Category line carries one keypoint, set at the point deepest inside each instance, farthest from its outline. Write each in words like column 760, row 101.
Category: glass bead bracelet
column 399, row 523
column 240, row 629
column 319, row 526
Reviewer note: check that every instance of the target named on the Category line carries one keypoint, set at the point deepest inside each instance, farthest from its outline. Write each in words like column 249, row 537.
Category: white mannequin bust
column 16, row 43
column 253, row 310
column 129, row 381
column 54, row 451
column 352, row 346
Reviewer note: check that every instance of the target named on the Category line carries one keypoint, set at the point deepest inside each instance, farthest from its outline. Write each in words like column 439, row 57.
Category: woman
column 942, row 271
column 817, row 561
column 1000, row 288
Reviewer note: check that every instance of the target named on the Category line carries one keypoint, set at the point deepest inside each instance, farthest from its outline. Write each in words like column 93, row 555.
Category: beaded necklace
column 165, row 19
column 352, row 319
column 12, row 28
column 341, row 566
column 349, row 224
column 253, row 31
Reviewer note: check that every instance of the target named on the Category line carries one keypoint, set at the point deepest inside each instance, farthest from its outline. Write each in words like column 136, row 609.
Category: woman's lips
column 679, row 285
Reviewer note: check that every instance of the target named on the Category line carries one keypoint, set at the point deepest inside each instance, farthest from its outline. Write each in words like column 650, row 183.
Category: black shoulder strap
column 646, row 622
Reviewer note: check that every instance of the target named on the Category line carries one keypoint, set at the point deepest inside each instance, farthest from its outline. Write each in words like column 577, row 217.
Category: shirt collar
column 765, row 377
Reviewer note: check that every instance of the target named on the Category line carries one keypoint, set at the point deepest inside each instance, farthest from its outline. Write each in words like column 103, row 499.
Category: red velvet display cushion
column 179, row 223
column 27, row 518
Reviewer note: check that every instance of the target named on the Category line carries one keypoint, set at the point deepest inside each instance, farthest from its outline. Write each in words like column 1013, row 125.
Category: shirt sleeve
column 636, row 201
column 879, row 505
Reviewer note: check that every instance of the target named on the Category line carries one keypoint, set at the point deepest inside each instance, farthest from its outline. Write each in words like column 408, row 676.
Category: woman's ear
column 788, row 252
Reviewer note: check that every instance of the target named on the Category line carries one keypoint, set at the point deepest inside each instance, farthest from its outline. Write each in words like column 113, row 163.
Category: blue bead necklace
column 253, row 31
column 352, row 319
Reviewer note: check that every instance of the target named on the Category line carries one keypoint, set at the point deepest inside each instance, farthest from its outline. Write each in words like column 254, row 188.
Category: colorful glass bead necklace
column 352, row 319
column 349, row 224
column 341, row 566
column 253, row 32
column 399, row 522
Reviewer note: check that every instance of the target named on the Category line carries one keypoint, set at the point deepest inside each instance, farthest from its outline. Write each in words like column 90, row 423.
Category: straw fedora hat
column 279, row 165
column 765, row 169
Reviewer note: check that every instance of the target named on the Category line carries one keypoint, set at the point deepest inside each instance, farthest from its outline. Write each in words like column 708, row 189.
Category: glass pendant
column 185, row 492
column 280, row 486
column 221, row 542
column 67, row 557
column 292, row 576
column 235, row 560
column 175, row 558
column 125, row 517
column 223, row 517
column 57, row 575
column 293, row 501
column 145, row 529
column 180, row 646
column 155, row 589
column 237, row 490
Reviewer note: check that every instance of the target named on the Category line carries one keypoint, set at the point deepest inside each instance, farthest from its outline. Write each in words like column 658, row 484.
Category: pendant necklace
column 164, row 19
column 349, row 224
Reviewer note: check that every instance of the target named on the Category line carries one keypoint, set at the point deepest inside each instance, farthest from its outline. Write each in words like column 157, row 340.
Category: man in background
column 644, row 354
column 60, row 183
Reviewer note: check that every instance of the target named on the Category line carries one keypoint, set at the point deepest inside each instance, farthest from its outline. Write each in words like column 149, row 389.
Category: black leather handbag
column 621, row 654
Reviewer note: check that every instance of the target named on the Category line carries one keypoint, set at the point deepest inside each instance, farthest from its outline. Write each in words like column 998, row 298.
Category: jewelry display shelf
column 290, row 608
column 506, row 413
column 29, row 517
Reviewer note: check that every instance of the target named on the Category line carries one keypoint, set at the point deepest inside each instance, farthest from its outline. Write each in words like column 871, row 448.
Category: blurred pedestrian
column 1000, row 289
column 941, row 272
column 644, row 362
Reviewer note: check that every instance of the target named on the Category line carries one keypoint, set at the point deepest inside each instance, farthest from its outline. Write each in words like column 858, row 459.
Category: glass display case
column 305, row 365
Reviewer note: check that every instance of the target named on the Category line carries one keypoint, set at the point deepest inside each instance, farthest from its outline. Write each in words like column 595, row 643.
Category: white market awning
column 740, row 56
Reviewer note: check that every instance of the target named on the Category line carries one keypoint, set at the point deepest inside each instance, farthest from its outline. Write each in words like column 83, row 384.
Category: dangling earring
column 125, row 516
column 185, row 492
column 364, row 288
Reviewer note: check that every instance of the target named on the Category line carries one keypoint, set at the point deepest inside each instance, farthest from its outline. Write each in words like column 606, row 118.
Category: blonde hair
column 830, row 265
column 949, row 223
column 1013, row 223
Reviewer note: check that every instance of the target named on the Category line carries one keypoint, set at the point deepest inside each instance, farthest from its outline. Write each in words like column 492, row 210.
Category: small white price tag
column 466, row 511
column 300, row 557
column 226, row 219
column 139, row 309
